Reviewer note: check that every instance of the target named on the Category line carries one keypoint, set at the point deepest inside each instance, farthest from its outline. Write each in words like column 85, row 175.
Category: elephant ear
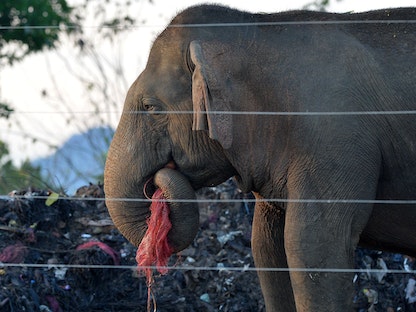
column 210, row 93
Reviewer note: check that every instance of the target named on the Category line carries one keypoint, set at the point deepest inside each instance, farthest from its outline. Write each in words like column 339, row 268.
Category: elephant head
column 164, row 111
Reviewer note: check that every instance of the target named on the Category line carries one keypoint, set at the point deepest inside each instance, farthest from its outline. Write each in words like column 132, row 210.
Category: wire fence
column 225, row 201
column 192, row 268
column 210, row 201
column 244, row 113
column 215, row 25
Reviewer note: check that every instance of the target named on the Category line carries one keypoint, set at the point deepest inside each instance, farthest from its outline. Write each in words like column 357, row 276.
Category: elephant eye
column 151, row 105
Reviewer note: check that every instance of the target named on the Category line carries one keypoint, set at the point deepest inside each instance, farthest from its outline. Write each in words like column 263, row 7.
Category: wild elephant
column 312, row 112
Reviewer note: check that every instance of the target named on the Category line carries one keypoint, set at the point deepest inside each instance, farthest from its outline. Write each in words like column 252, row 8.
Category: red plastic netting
column 154, row 250
column 14, row 253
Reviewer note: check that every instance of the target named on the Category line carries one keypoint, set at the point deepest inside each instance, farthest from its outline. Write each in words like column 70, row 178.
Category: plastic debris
column 104, row 247
column 223, row 239
column 205, row 298
column 154, row 250
column 14, row 253
column 411, row 291
column 372, row 295
column 382, row 267
column 56, row 230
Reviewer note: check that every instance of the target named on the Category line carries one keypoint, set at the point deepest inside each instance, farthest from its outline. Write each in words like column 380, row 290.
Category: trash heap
column 64, row 254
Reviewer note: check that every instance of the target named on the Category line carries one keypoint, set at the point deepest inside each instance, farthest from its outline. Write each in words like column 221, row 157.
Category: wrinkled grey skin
column 282, row 68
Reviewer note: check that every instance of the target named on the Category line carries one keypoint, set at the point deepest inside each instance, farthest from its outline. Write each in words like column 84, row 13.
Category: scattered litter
column 14, row 253
column 205, row 298
column 382, row 267
column 104, row 247
column 407, row 263
column 190, row 260
column 79, row 232
column 60, row 273
column 372, row 295
column 411, row 291
column 223, row 239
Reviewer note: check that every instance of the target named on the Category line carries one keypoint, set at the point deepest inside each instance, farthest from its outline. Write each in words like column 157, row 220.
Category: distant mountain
column 78, row 161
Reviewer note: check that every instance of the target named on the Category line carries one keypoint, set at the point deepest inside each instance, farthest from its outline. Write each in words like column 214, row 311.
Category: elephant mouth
column 149, row 188
column 171, row 165
column 182, row 210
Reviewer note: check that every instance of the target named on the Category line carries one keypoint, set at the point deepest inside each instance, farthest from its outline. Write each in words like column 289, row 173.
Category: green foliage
column 319, row 5
column 5, row 110
column 12, row 177
column 30, row 26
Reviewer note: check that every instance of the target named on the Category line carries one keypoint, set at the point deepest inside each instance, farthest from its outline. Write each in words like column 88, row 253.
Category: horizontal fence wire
column 258, row 113
column 222, row 200
column 243, row 200
column 244, row 268
column 208, row 25
column 219, row 268
column 201, row 268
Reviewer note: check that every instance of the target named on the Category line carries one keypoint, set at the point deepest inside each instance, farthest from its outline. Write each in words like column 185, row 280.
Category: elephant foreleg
column 268, row 252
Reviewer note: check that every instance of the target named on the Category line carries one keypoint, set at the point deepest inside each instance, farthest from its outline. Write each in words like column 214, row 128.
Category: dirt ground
column 39, row 238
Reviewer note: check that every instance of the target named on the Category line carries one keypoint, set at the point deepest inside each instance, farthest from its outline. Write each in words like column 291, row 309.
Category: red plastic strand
column 154, row 250
column 104, row 247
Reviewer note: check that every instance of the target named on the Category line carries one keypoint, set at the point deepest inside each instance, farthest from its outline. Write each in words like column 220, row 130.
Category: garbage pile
column 380, row 290
column 60, row 253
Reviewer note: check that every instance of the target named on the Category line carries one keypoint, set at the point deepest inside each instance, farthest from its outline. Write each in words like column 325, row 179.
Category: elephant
column 312, row 112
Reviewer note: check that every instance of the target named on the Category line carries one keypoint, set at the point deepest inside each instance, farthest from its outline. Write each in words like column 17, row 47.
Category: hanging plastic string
column 154, row 250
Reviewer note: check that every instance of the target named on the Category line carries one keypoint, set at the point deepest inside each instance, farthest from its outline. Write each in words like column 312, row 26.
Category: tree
column 30, row 26
column 100, row 75
column 318, row 5
column 5, row 110
column 23, row 31
column 95, row 64
column 27, row 27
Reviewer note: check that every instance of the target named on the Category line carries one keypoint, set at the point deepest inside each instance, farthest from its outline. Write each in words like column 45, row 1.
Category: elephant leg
column 268, row 252
column 323, row 237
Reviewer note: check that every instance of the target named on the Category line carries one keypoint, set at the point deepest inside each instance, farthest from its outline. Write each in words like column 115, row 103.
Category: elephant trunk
column 129, row 209
column 184, row 213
